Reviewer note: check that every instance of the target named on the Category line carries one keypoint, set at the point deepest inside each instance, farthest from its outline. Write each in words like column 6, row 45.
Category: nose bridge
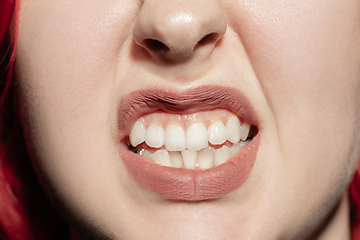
column 174, row 29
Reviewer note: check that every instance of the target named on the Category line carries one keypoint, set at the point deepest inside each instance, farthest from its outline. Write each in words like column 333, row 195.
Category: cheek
column 68, row 54
column 67, row 48
column 307, row 60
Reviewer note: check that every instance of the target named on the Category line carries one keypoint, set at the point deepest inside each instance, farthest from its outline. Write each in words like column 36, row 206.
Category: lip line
column 208, row 97
column 184, row 184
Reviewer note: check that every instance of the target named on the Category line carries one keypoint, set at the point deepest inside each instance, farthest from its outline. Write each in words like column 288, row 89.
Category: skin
column 296, row 61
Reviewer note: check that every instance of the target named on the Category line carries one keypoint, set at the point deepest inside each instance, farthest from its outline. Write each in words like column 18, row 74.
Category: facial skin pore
column 297, row 62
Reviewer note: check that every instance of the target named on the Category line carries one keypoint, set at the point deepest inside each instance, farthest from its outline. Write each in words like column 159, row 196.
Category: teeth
column 154, row 136
column 176, row 159
column 217, row 133
column 245, row 128
column 161, row 157
column 174, row 138
column 221, row 155
column 244, row 143
column 205, row 158
column 235, row 148
column 189, row 158
column 145, row 153
column 189, row 148
column 233, row 129
column 137, row 134
column 196, row 136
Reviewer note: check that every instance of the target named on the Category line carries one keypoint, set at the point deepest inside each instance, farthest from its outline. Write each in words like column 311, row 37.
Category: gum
column 163, row 119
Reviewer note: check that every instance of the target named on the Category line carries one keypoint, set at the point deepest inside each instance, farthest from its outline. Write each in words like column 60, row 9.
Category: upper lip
column 185, row 184
column 133, row 105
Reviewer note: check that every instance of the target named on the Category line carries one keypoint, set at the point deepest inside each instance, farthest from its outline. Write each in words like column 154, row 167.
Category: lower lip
column 192, row 185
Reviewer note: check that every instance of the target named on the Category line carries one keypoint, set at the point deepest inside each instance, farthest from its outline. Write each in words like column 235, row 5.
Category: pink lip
column 186, row 184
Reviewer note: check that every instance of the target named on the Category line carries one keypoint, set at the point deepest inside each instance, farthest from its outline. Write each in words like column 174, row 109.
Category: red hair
column 12, row 221
column 25, row 213
column 354, row 193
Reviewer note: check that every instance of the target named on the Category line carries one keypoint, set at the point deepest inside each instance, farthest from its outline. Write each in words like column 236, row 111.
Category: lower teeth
column 201, row 159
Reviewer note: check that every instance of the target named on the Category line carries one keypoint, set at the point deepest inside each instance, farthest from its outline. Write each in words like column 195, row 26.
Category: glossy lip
column 180, row 183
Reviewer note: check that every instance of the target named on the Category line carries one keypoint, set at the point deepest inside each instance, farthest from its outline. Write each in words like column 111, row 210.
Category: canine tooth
column 137, row 134
column 217, row 133
column 189, row 158
column 235, row 148
column 205, row 158
column 233, row 130
column 145, row 153
column 140, row 151
column 196, row 136
column 154, row 136
column 221, row 155
column 161, row 157
column 176, row 159
column 174, row 138
column 245, row 128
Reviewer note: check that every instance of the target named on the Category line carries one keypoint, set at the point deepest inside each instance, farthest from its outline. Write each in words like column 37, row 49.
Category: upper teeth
column 196, row 137
column 206, row 141
column 154, row 136
column 175, row 139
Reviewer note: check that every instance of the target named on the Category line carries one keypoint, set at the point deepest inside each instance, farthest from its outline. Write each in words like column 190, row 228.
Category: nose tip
column 177, row 30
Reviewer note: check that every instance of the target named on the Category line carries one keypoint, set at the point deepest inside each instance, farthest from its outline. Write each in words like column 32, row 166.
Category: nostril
column 155, row 45
column 208, row 39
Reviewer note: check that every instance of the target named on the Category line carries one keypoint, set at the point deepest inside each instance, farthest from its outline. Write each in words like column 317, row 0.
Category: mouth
column 196, row 144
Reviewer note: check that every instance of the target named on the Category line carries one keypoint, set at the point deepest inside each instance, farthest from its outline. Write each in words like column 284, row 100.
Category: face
column 135, row 113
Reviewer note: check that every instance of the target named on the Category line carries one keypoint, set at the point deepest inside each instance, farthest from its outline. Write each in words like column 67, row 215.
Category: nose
column 178, row 30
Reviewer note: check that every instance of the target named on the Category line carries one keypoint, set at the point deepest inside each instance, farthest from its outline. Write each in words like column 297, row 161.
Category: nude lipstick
column 181, row 183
